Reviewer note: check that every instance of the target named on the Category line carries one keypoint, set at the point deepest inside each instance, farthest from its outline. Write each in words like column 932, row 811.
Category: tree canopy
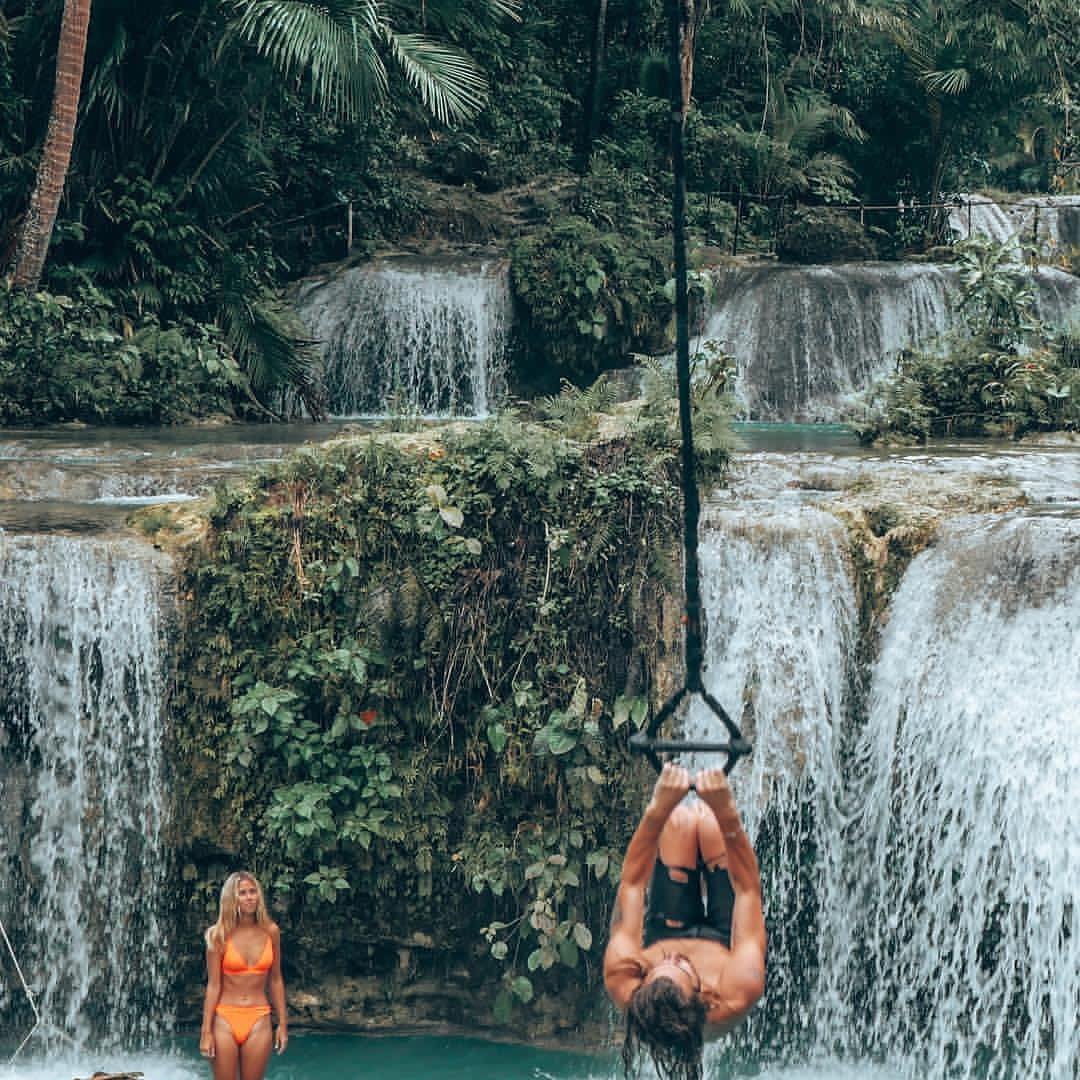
column 217, row 144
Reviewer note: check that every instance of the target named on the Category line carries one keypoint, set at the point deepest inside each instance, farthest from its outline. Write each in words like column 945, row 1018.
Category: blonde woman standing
column 243, row 966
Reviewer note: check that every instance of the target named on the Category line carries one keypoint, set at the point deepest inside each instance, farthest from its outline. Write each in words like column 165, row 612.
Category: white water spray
column 780, row 635
column 954, row 943
column 81, row 862
column 412, row 337
column 920, row 854
column 807, row 339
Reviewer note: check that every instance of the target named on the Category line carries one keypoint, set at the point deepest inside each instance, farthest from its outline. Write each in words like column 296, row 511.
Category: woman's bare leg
column 226, row 1052
column 255, row 1052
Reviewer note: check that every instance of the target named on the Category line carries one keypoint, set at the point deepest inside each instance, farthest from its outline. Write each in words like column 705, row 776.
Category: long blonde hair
column 229, row 911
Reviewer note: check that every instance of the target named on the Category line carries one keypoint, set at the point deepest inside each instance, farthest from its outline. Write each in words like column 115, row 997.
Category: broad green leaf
column 599, row 861
column 583, row 936
column 560, row 741
column 496, row 735
column 503, row 1009
column 452, row 516
column 568, row 954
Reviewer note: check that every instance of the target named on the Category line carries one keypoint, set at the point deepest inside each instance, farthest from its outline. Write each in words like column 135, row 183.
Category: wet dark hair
column 669, row 1026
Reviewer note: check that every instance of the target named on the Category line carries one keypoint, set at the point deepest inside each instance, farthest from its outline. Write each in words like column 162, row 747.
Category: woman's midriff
column 243, row 990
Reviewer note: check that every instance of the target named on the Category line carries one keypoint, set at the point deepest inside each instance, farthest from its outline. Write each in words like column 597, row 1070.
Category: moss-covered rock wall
column 407, row 671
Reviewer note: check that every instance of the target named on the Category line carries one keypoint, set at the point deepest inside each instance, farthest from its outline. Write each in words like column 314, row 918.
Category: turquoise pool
column 344, row 1057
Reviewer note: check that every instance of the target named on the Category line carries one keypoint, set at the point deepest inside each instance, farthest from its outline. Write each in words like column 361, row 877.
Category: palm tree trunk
column 693, row 14
column 37, row 226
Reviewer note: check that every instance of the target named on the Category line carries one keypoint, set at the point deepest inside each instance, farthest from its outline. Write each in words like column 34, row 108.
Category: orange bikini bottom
column 241, row 1019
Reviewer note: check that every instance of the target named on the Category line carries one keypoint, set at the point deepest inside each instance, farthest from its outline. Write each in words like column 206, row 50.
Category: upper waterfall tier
column 411, row 336
column 808, row 339
column 1048, row 223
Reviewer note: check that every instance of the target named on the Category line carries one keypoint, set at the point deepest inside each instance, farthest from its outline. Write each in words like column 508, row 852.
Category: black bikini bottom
column 681, row 903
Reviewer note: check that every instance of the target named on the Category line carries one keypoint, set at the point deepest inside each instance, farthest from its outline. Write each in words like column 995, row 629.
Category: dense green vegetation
column 1003, row 374
column 409, row 664
column 217, row 146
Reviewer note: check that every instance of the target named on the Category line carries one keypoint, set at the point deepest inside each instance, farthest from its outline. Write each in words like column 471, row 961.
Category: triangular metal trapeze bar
column 646, row 742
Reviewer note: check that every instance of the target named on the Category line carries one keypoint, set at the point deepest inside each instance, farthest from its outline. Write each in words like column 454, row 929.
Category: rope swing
column 647, row 742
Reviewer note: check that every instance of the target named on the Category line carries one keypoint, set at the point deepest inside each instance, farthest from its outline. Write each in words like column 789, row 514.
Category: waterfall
column 421, row 337
column 806, row 339
column 82, row 873
column 1048, row 223
column 977, row 215
column 956, row 943
column 914, row 811
column 1057, row 297
column 780, row 639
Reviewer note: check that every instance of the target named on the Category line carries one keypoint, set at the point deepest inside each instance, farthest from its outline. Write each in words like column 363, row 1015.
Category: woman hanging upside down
column 695, row 955
column 243, row 960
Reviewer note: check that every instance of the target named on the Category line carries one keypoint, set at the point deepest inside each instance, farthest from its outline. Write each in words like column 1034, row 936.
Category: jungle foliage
column 411, row 663
column 218, row 145
column 74, row 357
column 1004, row 374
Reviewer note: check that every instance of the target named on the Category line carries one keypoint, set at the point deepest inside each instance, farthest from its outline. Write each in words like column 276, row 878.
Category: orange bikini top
column 232, row 963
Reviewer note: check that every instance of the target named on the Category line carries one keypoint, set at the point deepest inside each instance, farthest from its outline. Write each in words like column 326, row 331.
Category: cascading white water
column 955, row 943
column 81, row 864
column 808, row 338
column 420, row 337
column 915, row 814
column 780, row 638
column 1057, row 297
column 1050, row 224
column 979, row 216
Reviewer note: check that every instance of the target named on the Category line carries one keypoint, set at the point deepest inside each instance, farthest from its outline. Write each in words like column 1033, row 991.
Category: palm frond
column 947, row 83
column 333, row 44
column 104, row 87
column 828, row 167
column 272, row 356
column 445, row 12
column 509, row 8
column 449, row 83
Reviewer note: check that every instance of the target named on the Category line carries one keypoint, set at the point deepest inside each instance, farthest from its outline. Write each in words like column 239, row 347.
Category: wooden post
column 738, row 222
column 348, row 233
